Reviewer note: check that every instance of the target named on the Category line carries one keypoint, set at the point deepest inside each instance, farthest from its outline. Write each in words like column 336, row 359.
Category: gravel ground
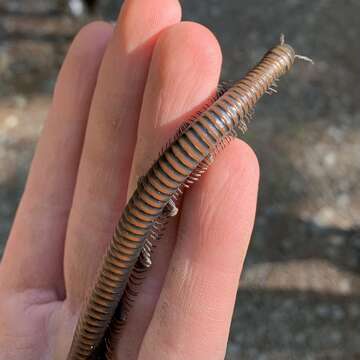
column 299, row 295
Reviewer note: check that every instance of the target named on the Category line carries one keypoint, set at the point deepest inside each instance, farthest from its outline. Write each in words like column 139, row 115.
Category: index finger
column 193, row 315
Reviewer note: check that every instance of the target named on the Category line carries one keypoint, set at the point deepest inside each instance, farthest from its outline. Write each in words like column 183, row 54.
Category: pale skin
column 120, row 96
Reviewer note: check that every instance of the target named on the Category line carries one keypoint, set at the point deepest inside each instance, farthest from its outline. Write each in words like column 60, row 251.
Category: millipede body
column 181, row 163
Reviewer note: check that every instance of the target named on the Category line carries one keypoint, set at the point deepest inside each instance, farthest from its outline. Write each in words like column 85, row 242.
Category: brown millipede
column 180, row 164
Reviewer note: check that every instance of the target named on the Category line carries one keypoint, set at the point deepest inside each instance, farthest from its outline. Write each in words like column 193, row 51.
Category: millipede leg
column 171, row 209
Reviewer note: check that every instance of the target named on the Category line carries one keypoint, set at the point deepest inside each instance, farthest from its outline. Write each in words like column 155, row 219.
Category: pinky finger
column 37, row 238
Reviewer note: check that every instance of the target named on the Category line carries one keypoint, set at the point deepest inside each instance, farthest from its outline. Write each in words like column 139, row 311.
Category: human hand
column 120, row 96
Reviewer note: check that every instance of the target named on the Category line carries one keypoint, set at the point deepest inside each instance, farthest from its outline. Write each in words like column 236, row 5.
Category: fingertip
column 153, row 15
column 236, row 169
column 241, row 173
column 90, row 39
column 84, row 55
column 185, row 71
column 190, row 41
column 241, row 158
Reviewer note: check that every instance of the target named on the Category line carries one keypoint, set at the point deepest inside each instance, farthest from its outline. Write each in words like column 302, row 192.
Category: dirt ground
column 299, row 295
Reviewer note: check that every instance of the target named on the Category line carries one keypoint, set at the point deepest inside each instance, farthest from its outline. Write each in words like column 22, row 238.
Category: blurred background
column 299, row 295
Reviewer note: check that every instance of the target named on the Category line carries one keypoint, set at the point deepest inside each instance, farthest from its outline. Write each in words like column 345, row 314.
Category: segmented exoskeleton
column 181, row 163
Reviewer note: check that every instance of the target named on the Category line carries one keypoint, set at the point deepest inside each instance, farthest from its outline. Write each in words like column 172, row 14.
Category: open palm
column 120, row 96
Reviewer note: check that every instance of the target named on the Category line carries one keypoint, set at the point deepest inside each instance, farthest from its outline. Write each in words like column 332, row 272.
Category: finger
column 110, row 137
column 193, row 314
column 183, row 75
column 37, row 237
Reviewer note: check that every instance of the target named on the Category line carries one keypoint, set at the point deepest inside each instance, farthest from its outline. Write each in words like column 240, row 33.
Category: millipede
column 144, row 218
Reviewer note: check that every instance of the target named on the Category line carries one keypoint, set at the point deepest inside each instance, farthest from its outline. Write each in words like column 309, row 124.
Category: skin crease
column 121, row 94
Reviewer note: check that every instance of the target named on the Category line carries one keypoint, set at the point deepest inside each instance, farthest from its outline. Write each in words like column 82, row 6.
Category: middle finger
column 184, row 73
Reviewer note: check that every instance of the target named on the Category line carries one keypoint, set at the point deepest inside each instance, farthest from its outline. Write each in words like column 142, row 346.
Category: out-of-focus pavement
column 300, row 291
